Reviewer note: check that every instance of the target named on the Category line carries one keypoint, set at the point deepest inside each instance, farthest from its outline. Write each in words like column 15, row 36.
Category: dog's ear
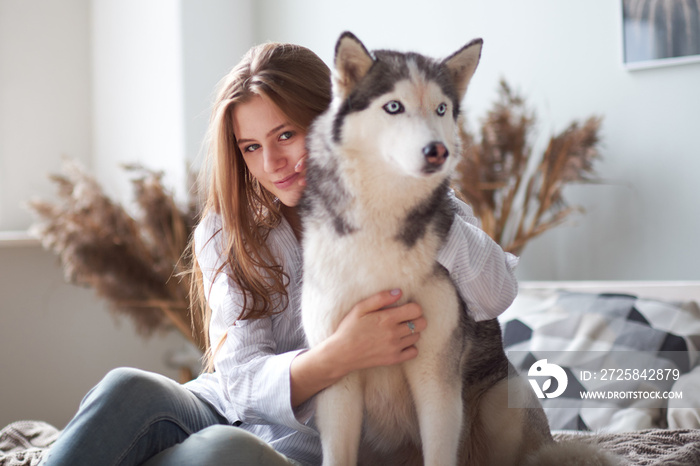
column 462, row 64
column 352, row 61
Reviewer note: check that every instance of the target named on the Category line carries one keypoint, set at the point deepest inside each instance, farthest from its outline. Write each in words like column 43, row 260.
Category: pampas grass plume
column 134, row 262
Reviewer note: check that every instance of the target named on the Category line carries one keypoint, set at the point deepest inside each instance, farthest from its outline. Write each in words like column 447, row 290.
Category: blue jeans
column 132, row 417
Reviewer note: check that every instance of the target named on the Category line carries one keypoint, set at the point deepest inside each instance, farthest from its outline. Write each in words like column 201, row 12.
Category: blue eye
column 441, row 109
column 286, row 135
column 393, row 107
column 251, row 148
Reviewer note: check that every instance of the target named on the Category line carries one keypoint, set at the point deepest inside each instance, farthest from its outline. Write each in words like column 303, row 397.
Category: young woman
column 254, row 405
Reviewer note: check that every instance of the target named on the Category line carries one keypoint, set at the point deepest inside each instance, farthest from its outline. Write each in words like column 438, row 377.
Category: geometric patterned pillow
column 593, row 336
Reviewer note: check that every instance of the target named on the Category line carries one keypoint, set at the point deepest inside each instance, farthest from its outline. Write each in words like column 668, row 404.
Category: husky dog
column 375, row 212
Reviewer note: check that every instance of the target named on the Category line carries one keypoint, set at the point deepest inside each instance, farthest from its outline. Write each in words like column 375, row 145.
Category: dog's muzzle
column 435, row 155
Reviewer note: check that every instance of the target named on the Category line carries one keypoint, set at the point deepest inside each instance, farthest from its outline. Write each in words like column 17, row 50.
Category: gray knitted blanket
column 23, row 443
column 654, row 447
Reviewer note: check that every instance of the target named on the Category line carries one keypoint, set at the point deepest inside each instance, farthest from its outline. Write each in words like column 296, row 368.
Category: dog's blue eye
column 441, row 109
column 393, row 107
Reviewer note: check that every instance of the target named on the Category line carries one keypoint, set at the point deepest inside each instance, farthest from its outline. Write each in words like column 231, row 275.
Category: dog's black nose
column 435, row 153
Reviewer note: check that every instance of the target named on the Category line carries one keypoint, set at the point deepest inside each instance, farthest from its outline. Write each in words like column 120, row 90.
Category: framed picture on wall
column 660, row 32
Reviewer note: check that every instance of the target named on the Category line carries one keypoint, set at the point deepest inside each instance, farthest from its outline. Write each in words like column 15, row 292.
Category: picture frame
column 660, row 33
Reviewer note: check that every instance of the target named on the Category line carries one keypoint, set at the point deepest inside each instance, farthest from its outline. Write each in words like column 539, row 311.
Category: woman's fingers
column 407, row 319
column 404, row 313
column 378, row 301
column 377, row 332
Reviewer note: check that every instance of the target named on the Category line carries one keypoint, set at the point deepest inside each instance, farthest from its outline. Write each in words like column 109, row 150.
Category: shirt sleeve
column 482, row 272
column 255, row 378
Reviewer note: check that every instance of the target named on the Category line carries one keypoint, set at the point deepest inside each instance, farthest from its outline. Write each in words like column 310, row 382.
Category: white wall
column 44, row 98
column 566, row 58
column 138, row 90
column 106, row 82
column 57, row 340
column 216, row 34
column 155, row 66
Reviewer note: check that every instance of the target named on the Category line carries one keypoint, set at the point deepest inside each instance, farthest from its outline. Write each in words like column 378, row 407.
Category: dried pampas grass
column 135, row 263
column 516, row 200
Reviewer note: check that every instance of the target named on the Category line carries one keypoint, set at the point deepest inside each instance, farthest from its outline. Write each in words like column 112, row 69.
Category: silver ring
column 411, row 326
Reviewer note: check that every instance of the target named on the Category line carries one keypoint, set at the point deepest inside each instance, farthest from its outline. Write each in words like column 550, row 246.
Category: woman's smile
column 288, row 181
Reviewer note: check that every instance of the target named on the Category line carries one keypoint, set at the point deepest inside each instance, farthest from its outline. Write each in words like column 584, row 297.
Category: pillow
column 599, row 340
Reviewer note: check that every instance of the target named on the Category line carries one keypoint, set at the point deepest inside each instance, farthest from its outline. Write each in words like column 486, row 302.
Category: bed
column 659, row 320
column 612, row 326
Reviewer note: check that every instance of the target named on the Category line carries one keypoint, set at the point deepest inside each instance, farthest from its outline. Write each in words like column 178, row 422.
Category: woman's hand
column 375, row 334
column 372, row 334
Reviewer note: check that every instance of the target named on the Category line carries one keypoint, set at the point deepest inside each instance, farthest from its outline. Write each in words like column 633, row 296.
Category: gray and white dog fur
column 375, row 212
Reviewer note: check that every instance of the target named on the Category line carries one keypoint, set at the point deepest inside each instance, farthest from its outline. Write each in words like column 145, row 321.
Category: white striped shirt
column 251, row 381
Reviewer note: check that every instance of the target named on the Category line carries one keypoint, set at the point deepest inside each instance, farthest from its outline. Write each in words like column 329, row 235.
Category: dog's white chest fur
column 342, row 270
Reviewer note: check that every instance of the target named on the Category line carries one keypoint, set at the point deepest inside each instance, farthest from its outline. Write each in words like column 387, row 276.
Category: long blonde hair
column 298, row 82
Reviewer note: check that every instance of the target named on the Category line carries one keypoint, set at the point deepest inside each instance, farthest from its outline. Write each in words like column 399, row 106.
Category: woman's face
column 271, row 147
